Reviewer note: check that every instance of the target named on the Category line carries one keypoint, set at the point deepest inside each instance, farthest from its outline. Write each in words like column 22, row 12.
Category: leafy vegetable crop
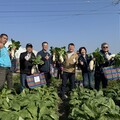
column 37, row 104
column 37, row 60
column 117, row 60
column 98, row 57
column 15, row 44
column 58, row 53
column 113, row 93
column 92, row 105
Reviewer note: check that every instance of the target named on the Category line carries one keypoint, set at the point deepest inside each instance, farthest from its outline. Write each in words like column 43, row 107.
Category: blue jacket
column 4, row 58
column 46, row 66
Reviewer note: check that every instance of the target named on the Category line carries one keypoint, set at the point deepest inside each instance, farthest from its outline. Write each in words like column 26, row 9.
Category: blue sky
column 84, row 22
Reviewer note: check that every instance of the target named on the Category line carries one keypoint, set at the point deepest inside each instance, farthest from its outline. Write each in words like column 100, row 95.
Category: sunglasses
column 105, row 46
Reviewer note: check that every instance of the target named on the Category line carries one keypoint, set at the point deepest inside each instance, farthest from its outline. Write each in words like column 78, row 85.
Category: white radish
column 12, row 53
column 53, row 57
column 61, row 58
column 33, row 70
column 91, row 65
column 111, row 56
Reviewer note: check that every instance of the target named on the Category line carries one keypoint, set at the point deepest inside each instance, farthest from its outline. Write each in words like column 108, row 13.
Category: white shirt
column 70, row 54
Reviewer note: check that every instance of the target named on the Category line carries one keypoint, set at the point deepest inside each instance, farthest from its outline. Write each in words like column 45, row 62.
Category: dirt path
column 64, row 110
column 63, row 107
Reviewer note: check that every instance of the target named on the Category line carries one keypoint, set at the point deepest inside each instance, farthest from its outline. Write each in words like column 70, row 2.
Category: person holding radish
column 107, row 61
column 26, row 64
column 12, row 48
column 69, row 65
column 86, row 64
column 46, row 57
column 5, row 63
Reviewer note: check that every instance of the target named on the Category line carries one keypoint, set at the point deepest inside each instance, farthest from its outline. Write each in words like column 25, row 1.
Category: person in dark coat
column 83, row 64
column 99, row 75
column 26, row 64
column 46, row 57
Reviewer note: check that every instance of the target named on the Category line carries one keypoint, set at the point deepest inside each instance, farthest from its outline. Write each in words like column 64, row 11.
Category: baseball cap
column 29, row 45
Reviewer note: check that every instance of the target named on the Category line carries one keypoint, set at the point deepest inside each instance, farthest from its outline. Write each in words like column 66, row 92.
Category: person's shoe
column 64, row 97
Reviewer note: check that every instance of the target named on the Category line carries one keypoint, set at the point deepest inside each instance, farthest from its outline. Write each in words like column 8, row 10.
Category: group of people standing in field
column 91, row 78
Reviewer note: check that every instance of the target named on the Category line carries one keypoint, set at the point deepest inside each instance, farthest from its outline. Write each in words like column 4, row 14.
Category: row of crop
column 88, row 104
column 37, row 104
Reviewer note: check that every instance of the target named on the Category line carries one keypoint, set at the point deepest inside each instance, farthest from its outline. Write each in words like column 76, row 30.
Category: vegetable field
column 44, row 103
column 92, row 105
column 38, row 104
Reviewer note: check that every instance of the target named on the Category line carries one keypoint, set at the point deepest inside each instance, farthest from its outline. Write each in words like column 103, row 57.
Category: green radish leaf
column 111, row 103
column 25, row 114
column 20, row 118
column 15, row 106
column 54, row 116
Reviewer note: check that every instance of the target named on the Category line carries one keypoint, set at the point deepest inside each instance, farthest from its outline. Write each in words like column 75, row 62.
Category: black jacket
column 46, row 66
column 26, row 66
column 85, row 66
column 99, row 68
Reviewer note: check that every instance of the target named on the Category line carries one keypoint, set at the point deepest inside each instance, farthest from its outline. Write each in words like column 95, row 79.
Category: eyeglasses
column 105, row 47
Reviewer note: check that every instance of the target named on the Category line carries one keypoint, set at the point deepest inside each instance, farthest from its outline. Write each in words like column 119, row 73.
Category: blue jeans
column 88, row 80
column 23, row 80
